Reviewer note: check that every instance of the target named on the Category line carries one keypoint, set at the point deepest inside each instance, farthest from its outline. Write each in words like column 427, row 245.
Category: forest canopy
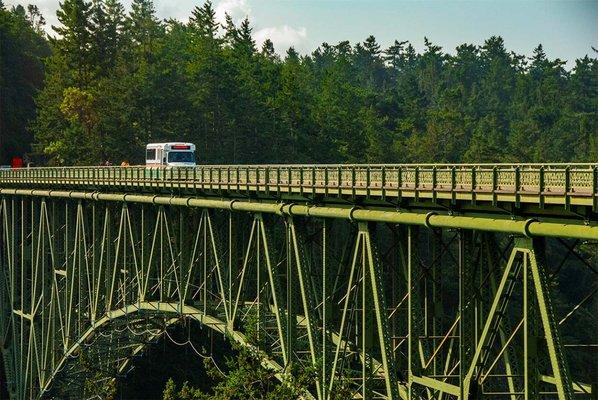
column 22, row 50
column 116, row 80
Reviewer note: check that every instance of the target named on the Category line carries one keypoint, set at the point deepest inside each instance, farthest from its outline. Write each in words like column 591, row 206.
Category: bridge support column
column 536, row 250
column 8, row 332
column 526, row 259
column 368, row 296
column 306, row 287
column 412, row 320
column 467, row 305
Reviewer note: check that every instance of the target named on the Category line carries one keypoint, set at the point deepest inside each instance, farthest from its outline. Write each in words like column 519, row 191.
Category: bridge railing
column 544, row 179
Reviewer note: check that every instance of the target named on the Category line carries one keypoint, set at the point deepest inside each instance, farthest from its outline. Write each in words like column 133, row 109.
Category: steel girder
column 379, row 310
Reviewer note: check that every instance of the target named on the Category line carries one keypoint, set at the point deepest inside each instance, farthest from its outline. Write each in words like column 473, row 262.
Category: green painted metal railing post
column 567, row 193
column 517, row 187
column 595, row 188
column 494, row 186
column 473, row 185
column 383, row 184
column 353, row 182
column 326, row 181
column 247, row 182
column 301, row 183
column 368, row 172
column 313, row 182
column 278, row 181
column 338, row 180
column 453, row 186
column 399, row 184
column 541, row 183
column 416, row 183
column 267, row 181
column 434, row 183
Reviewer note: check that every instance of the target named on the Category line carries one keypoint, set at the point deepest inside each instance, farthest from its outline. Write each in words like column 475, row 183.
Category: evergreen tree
column 102, row 39
column 74, row 40
column 144, row 29
column 244, row 43
column 36, row 19
column 153, row 80
column 395, row 55
column 268, row 49
column 204, row 20
column 22, row 48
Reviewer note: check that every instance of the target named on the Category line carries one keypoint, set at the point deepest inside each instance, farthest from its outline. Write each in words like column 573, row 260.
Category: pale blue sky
column 567, row 29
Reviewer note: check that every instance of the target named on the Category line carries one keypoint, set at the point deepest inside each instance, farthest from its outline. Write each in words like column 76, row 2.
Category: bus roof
column 169, row 144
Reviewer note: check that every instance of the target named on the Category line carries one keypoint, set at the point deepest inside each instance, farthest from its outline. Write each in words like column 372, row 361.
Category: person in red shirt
column 17, row 162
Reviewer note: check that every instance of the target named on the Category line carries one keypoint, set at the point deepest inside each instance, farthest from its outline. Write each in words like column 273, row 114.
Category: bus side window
column 150, row 154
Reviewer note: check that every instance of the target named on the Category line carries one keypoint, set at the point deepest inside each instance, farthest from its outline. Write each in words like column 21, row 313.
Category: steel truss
column 382, row 310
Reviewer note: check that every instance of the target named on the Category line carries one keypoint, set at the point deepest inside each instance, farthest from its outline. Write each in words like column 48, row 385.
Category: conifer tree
column 74, row 39
column 144, row 28
column 204, row 20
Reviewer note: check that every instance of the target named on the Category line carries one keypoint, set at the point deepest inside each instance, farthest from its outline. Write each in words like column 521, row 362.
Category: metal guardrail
column 556, row 183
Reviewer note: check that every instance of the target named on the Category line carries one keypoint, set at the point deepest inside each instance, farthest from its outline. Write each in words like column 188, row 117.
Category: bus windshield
column 181, row 157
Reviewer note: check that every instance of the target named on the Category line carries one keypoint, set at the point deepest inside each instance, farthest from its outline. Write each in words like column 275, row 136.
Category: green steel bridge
column 392, row 281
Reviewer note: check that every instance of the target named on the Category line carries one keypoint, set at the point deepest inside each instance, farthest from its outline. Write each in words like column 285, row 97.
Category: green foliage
column 100, row 388
column 153, row 80
column 22, row 48
column 246, row 378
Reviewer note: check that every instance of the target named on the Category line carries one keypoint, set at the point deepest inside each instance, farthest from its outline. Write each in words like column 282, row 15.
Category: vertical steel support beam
column 537, row 264
column 274, row 290
column 7, row 295
column 378, row 296
column 496, row 313
column 346, row 305
column 325, row 335
column 413, row 287
column 433, row 294
column 231, row 268
column 291, row 307
column 366, row 326
column 215, row 245
column 244, row 268
column 531, row 373
column 466, row 306
column 493, row 258
column 304, row 267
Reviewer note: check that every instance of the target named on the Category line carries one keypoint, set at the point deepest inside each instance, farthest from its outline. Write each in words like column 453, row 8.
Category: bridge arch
column 173, row 310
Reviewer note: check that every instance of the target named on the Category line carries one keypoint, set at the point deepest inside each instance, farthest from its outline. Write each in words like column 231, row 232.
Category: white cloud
column 283, row 37
column 46, row 7
column 237, row 9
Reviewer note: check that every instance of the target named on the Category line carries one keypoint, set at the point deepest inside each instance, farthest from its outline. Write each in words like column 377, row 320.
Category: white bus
column 170, row 155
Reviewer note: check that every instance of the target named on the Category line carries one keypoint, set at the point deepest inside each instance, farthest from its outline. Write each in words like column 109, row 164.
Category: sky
column 567, row 29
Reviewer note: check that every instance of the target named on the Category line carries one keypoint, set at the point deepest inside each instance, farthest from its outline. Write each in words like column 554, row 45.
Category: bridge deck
column 537, row 184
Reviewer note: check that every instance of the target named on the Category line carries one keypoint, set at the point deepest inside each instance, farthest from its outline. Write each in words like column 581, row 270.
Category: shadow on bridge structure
column 393, row 281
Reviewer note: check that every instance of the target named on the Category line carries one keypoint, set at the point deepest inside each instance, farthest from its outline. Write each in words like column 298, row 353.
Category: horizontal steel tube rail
column 529, row 227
